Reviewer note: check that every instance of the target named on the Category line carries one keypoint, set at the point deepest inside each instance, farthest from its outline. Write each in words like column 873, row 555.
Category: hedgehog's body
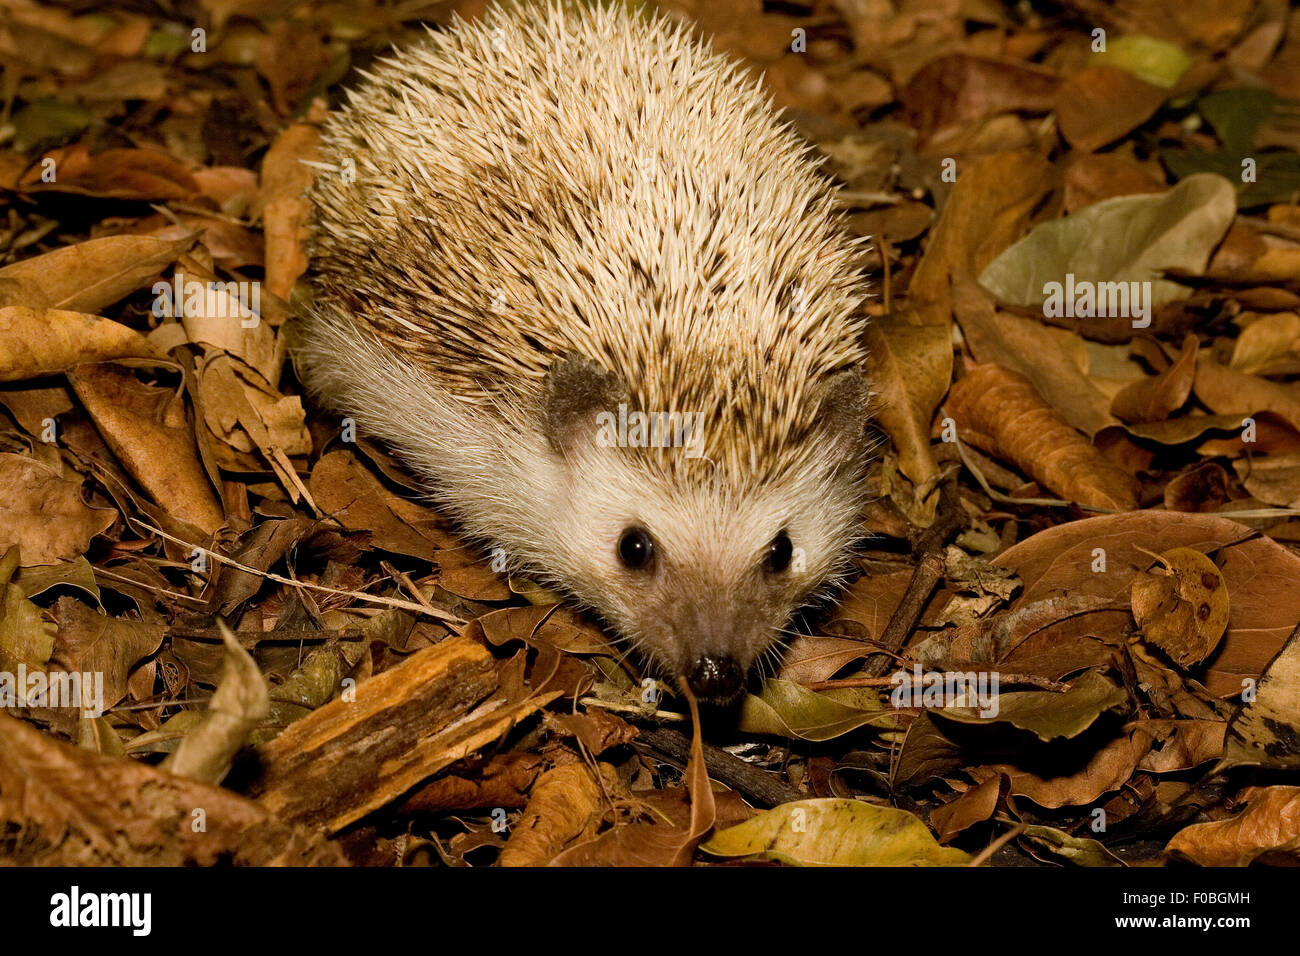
column 556, row 212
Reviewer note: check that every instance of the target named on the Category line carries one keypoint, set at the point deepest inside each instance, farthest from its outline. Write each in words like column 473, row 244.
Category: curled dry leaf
column 36, row 342
column 974, row 806
column 989, row 207
column 1266, row 731
column 1045, row 356
column 1269, row 824
column 1228, row 391
column 92, row 274
column 285, row 209
column 1000, row 412
column 560, row 807
column 1182, row 607
column 240, row 703
column 910, row 369
column 1057, row 845
column 1154, row 399
column 42, row 512
column 148, row 430
column 835, row 832
column 1269, row 345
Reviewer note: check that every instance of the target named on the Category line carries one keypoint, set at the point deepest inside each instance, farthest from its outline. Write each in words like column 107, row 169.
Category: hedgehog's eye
column 778, row 554
column 635, row 549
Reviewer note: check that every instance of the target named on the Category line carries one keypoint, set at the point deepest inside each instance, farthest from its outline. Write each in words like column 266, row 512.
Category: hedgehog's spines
column 610, row 211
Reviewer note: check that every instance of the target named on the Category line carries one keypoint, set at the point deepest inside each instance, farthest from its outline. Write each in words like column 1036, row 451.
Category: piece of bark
column 71, row 807
column 350, row 757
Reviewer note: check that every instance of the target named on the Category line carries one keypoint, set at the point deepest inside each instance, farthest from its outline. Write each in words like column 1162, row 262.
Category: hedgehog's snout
column 717, row 678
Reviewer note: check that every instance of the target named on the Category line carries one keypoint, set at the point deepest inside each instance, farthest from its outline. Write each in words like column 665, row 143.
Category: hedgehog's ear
column 843, row 403
column 575, row 392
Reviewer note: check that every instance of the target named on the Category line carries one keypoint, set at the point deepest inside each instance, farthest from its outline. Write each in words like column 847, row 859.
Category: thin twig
column 758, row 785
column 929, row 570
column 998, row 844
column 444, row 616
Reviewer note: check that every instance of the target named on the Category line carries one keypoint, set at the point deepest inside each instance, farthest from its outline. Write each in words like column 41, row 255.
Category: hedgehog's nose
column 715, row 678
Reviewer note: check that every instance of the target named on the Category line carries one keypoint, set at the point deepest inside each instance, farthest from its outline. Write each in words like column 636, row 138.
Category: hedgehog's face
column 703, row 582
column 701, row 577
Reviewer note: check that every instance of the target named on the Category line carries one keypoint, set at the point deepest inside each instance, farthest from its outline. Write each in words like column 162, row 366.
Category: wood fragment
column 350, row 757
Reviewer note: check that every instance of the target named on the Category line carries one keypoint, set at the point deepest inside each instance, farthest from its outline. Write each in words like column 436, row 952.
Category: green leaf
column 787, row 709
column 48, row 121
column 1277, row 173
column 1047, row 714
column 1236, row 115
column 834, row 832
column 1126, row 239
column 1155, row 61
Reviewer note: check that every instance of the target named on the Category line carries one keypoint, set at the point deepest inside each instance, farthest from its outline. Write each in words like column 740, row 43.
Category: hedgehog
column 571, row 264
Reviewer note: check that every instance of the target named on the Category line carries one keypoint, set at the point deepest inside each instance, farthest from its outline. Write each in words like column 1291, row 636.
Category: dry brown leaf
column 148, row 430
column 1271, row 821
column 1202, row 488
column 559, row 807
column 114, row 174
column 1269, row 345
column 92, row 274
column 807, row 660
column 1092, row 177
column 999, row 411
column 240, row 703
column 597, row 730
column 910, row 367
column 91, row 642
column 42, row 512
column 504, row 781
column 1153, row 399
column 988, row 209
column 1038, row 352
column 960, row 89
column 1098, row 557
column 285, row 209
column 1273, row 479
column 36, row 342
column 346, row 490
column 974, row 806
column 1182, row 606
column 1227, row 391
column 648, row 844
column 1101, row 104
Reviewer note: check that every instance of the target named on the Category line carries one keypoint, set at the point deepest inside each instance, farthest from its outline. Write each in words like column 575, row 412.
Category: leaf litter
column 268, row 609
